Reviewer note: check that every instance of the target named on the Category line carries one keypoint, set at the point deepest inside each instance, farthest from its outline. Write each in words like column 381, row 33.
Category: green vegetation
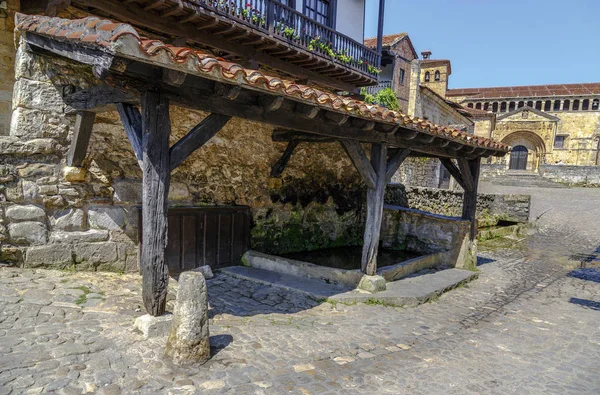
column 385, row 97
column 83, row 298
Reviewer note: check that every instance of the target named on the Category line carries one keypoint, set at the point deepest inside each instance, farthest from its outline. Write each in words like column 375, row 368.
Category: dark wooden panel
column 189, row 242
column 174, row 237
column 211, row 238
column 225, row 239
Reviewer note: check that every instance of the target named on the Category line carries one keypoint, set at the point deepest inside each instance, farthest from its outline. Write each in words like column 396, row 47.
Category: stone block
column 70, row 220
column 16, row 147
column 51, row 255
column 38, row 95
column 35, row 170
column 127, row 191
column 188, row 341
column 205, row 270
column 110, row 218
column 95, row 253
column 74, row 174
column 28, row 233
column 90, row 236
column 152, row 327
column 372, row 284
column 178, row 191
column 25, row 213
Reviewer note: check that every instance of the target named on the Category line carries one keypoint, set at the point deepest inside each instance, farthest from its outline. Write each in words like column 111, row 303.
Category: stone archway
column 534, row 145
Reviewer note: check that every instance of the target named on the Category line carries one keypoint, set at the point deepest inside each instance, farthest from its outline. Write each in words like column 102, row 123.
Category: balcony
column 372, row 90
column 266, row 32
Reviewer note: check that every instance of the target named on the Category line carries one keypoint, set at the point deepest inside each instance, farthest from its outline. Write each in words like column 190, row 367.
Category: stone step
column 314, row 289
column 524, row 180
column 411, row 291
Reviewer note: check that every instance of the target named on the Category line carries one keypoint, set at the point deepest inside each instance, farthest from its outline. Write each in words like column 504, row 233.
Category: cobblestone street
column 529, row 324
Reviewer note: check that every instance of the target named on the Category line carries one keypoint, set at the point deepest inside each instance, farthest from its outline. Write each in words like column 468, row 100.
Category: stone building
column 545, row 124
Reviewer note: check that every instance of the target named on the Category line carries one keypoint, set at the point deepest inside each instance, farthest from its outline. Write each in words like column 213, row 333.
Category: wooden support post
column 470, row 196
column 453, row 170
column 156, row 127
column 84, row 122
column 280, row 165
column 395, row 163
column 360, row 161
column 132, row 123
column 375, row 201
column 196, row 138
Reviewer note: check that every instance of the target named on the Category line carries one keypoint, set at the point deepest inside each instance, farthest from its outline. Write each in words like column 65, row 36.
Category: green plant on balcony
column 385, row 97
column 287, row 31
column 253, row 14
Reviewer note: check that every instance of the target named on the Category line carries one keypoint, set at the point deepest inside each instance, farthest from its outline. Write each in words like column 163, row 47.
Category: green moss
column 83, row 298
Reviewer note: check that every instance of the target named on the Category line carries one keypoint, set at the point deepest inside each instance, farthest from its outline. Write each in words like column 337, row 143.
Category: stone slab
column 152, row 327
column 315, row 289
column 411, row 291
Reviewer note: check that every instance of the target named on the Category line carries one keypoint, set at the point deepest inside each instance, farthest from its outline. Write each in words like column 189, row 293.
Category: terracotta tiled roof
column 528, row 91
column 477, row 112
column 388, row 40
column 123, row 40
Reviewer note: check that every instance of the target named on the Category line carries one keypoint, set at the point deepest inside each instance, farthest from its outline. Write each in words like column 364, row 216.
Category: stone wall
column 86, row 218
column 491, row 208
column 584, row 176
column 7, row 60
column 423, row 172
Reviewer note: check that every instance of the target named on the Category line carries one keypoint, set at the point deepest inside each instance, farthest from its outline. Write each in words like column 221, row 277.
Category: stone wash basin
column 394, row 269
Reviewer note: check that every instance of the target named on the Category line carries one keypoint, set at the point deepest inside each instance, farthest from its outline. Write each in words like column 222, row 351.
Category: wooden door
column 518, row 158
column 214, row 236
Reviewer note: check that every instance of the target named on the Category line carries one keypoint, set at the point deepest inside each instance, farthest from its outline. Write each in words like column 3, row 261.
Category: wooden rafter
column 395, row 162
column 84, row 122
column 282, row 162
column 360, row 161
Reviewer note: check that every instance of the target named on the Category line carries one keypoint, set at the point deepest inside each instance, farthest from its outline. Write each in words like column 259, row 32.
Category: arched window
column 595, row 104
column 437, row 75
column 566, row 105
column 427, row 76
column 511, row 106
column 521, row 104
column 495, row 107
column 585, row 105
column 538, row 105
column 547, row 105
column 556, row 105
column 470, row 105
column 503, row 106
column 478, row 106
column 576, row 105
column 530, row 104
column 486, row 106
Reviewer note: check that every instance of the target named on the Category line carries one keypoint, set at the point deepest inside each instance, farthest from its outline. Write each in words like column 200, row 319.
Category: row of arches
column 542, row 105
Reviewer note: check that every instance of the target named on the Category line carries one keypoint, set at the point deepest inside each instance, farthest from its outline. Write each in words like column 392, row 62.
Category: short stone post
column 188, row 341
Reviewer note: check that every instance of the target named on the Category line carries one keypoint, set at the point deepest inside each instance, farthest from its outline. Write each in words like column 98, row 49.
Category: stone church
column 546, row 124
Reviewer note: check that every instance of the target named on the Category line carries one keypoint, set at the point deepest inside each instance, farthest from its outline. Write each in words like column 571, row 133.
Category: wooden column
column 156, row 127
column 84, row 122
column 470, row 176
column 375, row 200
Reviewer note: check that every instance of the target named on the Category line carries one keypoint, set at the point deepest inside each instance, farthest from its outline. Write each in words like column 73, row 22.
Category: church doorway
column 518, row 158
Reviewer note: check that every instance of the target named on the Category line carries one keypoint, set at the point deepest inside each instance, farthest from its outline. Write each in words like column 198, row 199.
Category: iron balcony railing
column 279, row 20
column 381, row 85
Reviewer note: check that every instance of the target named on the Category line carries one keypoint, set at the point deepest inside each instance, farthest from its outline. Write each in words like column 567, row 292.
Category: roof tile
column 120, row 38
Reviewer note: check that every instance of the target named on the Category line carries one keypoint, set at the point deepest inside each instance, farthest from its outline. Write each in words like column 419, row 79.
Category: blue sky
column 501, row 42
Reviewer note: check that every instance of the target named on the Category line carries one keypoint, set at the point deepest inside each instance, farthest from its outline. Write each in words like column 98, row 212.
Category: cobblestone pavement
column 529, row 324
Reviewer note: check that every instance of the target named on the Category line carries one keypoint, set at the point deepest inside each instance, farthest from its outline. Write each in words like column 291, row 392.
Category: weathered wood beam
column 173, row 77
column 282, row 162
column 394, row 163
column 454, row 171
column 291, row 135
column 271, row 103
column 465, row 171
column 196, row 138
column 360, row 161
column 375, row 201
column 336, row 117
column 227, row 91
column 470, row 197
column 306, row 111
column 132, row 123
column 156, row 127
column 84, row 122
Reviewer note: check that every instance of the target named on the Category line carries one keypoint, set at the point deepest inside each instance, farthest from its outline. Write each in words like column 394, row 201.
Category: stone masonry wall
column 584, row 176
column 423, row 172
column 7, row 60
column 491, row 208
column 86, row 218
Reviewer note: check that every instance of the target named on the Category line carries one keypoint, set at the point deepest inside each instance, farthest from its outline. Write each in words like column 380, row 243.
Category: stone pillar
column 188, row 341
